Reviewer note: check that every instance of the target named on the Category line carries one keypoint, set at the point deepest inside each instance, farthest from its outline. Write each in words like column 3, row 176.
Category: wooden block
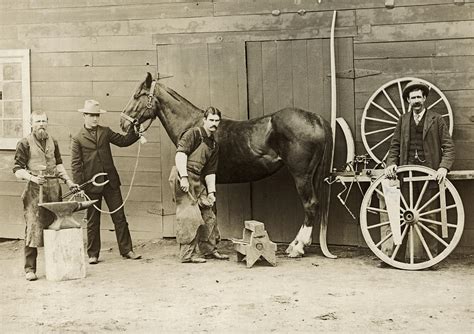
column 255, row 226
column 64, row 254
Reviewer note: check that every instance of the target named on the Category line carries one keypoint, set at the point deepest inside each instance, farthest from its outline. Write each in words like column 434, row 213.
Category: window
column 14, row 96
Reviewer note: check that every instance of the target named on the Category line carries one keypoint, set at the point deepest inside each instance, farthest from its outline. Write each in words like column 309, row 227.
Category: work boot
column 31, row 276
column 383, row 265
column 132, row 256
column 93, row 260
column 217, row 255
column 194, row 260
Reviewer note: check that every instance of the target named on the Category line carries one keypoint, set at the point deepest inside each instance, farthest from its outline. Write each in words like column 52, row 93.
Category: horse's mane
column 180, row 99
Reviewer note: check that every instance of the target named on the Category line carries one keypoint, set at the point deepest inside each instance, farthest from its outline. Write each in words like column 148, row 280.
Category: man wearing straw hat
column 37, row 156
column 91, row 154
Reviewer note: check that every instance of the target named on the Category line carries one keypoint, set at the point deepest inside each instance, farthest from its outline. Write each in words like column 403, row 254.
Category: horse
column 253, row 149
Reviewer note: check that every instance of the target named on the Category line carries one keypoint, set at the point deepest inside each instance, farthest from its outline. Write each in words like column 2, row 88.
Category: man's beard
column 41, row 134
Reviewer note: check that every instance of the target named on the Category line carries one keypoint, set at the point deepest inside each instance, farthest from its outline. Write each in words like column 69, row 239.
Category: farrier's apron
column 192, row 209
column 38, row 218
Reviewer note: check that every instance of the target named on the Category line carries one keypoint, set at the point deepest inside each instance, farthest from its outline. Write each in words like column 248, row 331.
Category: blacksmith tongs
column 92, row 180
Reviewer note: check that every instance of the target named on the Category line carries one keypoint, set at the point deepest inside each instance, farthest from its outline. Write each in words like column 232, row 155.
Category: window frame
column 19, row 56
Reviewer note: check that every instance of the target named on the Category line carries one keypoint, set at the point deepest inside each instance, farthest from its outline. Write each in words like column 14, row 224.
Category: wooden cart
column 409, row 231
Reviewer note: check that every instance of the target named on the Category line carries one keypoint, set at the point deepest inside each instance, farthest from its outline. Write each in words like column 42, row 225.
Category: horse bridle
column 149, row 105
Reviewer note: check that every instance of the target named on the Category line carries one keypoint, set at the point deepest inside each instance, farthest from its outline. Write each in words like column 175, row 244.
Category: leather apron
column 193, row 209
column 38, row 218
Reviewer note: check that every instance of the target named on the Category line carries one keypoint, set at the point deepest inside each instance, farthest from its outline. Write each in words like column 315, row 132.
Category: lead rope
column 129, row 189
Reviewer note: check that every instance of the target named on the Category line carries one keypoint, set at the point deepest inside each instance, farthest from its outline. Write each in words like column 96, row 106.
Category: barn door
column 206, row 74
column 296, row 74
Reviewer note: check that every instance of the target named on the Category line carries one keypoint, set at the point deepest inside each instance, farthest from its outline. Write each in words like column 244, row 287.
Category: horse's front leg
column 303, row 238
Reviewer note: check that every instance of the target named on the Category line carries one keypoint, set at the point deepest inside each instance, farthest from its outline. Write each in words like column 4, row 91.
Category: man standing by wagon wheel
column 193, row 182
column 421, row 137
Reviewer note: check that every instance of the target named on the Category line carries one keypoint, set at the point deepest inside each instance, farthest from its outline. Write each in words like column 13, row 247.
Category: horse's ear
column 148, row 80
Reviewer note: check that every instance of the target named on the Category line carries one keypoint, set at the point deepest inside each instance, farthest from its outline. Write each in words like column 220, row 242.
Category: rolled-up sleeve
column 189, row 141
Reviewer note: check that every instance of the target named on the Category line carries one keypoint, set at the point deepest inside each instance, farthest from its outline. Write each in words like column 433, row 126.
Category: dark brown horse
column 254, row 149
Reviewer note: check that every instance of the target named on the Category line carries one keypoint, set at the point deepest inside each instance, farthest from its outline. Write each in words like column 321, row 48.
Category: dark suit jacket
column 438, row 145
column 90, row 156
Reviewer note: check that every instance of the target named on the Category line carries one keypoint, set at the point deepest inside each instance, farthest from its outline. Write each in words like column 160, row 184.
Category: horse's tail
column 322, row 171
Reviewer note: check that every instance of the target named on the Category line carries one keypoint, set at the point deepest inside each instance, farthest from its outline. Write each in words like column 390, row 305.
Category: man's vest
column 416, row 154
column 39, row 158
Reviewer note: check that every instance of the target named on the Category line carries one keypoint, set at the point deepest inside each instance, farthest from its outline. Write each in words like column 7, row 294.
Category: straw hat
column 414, row 85
column 91, row 107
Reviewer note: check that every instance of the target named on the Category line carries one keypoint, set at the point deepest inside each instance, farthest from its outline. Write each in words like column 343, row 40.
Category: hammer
column 40, row 170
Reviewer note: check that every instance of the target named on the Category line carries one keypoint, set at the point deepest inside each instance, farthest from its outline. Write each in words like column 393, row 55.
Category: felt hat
column 91, row 107
column 414, row 85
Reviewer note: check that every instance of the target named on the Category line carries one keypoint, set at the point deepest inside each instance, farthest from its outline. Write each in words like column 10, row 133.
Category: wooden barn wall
column 85, row 49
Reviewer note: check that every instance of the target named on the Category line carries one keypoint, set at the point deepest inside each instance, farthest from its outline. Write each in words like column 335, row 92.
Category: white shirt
column 418, row 117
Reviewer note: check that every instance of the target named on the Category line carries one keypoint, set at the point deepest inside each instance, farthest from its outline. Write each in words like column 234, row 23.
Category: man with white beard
column 37, row 156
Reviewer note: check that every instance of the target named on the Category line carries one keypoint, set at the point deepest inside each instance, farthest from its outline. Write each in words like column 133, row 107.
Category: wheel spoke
column 435, row 103
column 395, row 251
column 400, row 92
column 429, row 201
column 452, row 206
column 410, row 173
column 391, row 102
column 412, row 246
column 433, row 234
column 382, row 109
column 422, row 192
column 378, row 225
column 431, row 221
column 381, row 142
column 370, row 208
column 378, row 131
column 425, row 246
column 404, row 202
column 380, row 120
column 388, row 236
column 385, row 156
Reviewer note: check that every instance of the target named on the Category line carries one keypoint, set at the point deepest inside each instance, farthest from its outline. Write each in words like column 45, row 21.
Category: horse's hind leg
column 304, row 186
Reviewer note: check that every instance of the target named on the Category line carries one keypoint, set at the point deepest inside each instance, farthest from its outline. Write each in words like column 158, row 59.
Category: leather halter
column 149, row 105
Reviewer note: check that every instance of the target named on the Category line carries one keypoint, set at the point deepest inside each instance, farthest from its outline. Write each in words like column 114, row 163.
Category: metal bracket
column 356, row 73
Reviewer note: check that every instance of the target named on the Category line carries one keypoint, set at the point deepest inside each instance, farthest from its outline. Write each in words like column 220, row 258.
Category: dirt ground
column 311, row 294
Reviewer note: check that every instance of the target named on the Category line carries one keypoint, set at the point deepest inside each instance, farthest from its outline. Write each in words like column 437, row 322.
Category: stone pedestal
column 64, row 254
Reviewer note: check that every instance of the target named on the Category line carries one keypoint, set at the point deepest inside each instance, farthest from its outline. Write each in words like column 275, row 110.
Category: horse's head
column 141, row 106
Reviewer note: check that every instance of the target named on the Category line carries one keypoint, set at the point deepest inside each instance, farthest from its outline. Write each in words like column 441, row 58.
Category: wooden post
column 64, row 254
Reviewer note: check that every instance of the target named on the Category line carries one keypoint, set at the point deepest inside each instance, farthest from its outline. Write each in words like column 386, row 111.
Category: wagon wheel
column 418, row 228
column 384, row 108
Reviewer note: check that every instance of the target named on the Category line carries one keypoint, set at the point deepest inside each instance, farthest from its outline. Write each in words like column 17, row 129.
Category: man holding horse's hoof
column 193, row 182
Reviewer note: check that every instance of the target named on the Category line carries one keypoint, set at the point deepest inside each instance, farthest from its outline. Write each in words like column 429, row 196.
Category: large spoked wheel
column 422, row 241
column 384, row 108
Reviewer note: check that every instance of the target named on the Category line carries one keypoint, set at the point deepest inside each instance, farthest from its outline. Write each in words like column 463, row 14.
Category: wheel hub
column 410, row 217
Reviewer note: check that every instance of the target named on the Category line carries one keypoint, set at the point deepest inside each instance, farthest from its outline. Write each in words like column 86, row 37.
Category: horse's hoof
column 295, row 254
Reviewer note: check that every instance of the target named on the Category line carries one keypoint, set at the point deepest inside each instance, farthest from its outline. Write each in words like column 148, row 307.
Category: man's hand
column 441, row 174
column 212, row 198
column 73, row 186
column 184, row 184
column 391, row 171
column 38, row 179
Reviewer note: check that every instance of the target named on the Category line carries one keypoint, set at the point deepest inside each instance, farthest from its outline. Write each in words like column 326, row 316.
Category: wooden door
column 207, row 74
column 295, row 73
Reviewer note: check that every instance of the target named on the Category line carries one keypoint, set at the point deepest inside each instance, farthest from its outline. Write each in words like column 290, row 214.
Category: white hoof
column 295, row 249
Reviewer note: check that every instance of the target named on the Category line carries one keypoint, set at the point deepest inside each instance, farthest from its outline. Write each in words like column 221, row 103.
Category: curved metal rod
column 93, row 181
